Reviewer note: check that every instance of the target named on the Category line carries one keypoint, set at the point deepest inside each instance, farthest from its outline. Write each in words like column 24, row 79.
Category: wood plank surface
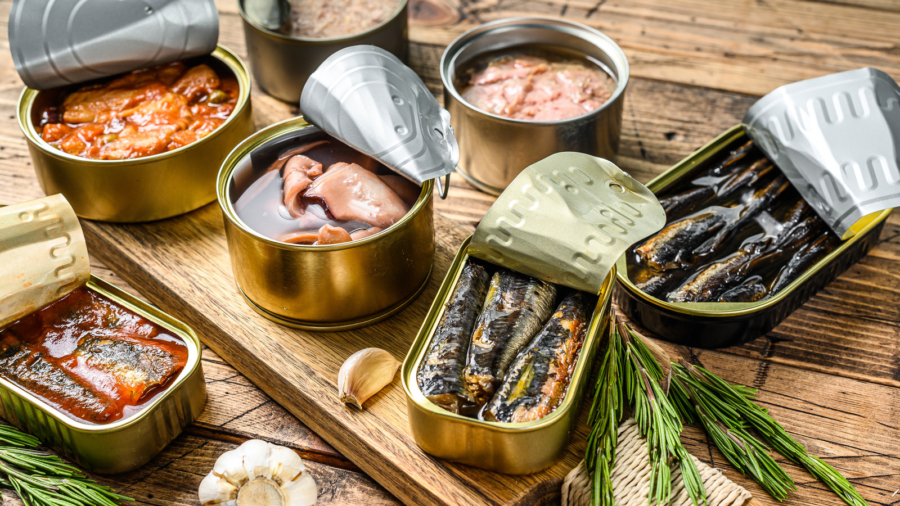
column 830, row 372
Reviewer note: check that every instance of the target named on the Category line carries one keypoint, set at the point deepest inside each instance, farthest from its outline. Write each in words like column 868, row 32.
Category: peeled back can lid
column 368, row 99
column 61, row 42
column 566, row 220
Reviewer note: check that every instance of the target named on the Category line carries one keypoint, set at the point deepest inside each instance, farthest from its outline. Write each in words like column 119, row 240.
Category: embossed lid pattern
column 837, row 139
column 367, row 98
column 566, row 220
column 60, row 42
column 43, row 258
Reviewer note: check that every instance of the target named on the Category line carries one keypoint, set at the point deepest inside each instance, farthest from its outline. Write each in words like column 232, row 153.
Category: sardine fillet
column 516, row 307
column 440, row 376
column 539, row 378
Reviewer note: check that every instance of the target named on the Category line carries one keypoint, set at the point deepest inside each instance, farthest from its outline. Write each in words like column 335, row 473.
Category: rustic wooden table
column 831, row 371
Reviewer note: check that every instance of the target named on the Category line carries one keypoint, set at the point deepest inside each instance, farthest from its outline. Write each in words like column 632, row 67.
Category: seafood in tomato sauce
column 143, row 113
column 91, row 358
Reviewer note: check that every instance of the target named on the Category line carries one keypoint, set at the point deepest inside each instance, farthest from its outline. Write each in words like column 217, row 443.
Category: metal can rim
column 222, row 53
column 448, row 59
column 309, row 40
column 731, row 309
column 271, row 132
column 172, row 324
column 417, row 352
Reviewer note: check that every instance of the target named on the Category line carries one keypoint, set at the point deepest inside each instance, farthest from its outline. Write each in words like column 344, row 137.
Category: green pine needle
column 773, row 433
column 605, row 415
column 658, row 421
column 42, row 479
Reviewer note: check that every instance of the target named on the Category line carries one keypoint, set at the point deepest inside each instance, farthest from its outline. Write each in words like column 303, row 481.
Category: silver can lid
column 367, row 98
column 60, row 42
column 837, row 139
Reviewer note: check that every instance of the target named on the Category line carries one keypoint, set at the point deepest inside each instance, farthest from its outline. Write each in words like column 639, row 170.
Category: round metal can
column 139, row 189
column 324, row 288
column 282, row 64
column 494, row 149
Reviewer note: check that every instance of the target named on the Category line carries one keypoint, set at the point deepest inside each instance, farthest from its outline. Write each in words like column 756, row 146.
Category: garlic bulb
column 364, row 374
column 258, row 474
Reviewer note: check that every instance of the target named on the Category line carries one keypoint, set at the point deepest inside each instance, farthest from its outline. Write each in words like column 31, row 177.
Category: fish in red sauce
column 89, row 357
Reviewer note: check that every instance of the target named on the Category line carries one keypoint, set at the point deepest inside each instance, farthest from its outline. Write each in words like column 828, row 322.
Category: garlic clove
column 364, row 374
column 216, row 490
column 286, row 465
column 300, row 492
column 258, row 474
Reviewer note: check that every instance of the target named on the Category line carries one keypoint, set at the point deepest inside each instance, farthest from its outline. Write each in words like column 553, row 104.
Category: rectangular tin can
column 139, row 189
column 723, row 324
column 129, row 443
column 510, row 448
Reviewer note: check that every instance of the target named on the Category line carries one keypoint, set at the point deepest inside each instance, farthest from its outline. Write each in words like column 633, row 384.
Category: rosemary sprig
column 735, row 397
column 727, row 430
column 605, row 416
column 658, row 421
column 42, row 479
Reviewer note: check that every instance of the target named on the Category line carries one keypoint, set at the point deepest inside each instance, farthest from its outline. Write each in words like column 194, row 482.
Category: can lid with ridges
column 368, row 99
column 61, row 42
column 566, row 220
column 44, row 255
column 836, row 139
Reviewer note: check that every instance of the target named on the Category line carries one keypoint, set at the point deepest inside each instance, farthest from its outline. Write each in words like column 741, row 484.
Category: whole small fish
column 539, row 378
column 747, row 177
column 515, row 308
column 440, row 376
column 803, row 259
column 748, row 292
column 669, row 248
column 682, row 203
column 716, row 278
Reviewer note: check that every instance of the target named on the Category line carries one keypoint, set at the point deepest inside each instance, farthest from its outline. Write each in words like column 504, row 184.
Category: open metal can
column 723, row 324
column 282, row 64
column 493, row 148
column 329, row 287
column 604, row 211
column 139, row 189
column 509, row 448
column 127, row 444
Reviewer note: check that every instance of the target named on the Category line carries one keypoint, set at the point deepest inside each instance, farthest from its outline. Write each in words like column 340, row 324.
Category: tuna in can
column 495, row 144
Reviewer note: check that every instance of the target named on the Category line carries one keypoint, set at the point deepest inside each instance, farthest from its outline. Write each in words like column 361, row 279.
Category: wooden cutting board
column 183, row 265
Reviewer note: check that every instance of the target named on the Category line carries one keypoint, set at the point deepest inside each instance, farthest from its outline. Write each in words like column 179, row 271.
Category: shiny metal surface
column 61, row 42
column 139, row 189
column 603, row 210
column 837, row 139
column 723, row 324
column 129, row 443
column 326, row 287
column 371, row 101
column 510, row 448
column 281, row 64
column 494, row 149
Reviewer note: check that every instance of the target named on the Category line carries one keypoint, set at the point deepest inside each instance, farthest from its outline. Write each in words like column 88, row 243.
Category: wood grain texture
column 830, row 372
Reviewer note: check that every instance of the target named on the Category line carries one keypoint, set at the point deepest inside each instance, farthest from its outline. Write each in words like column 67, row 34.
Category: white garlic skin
column 255, row 470
column 364, row 374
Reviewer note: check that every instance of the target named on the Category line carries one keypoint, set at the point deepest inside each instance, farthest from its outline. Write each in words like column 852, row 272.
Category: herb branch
column 42, row 479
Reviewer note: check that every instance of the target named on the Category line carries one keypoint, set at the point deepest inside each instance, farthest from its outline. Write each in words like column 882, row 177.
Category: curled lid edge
column 566, row 220
column 368, row 99
column 44, row 255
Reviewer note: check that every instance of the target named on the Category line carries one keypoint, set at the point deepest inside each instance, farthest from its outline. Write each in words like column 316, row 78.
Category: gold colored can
column 495, row 149
column 140, row 189
column 723, row 324
column 129, row 443
column 325, row 288
column 510, row 448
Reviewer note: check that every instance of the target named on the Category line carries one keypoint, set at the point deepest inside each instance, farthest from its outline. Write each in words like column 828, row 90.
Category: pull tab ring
column 443, row 189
